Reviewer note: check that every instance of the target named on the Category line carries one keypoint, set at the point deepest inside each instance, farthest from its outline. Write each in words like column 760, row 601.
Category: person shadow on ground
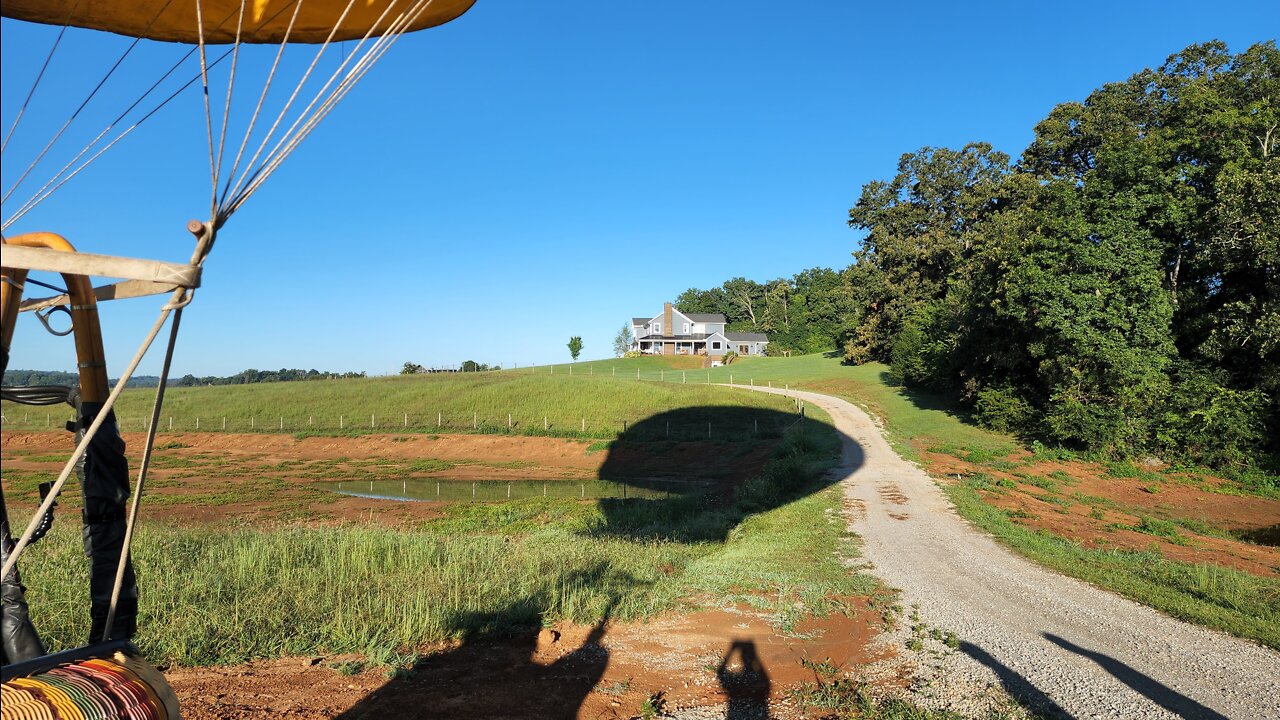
column 497, row 678
column 744, row 679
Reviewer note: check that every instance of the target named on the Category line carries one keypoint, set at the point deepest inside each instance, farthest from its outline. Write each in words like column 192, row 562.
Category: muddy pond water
column 444, row 490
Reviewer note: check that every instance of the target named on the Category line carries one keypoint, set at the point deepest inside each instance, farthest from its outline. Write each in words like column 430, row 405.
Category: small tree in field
column 622, row 343
column 410, row 368
column 575, row 347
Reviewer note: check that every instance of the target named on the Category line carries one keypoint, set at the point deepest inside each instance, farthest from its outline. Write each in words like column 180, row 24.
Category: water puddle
column 444, row 490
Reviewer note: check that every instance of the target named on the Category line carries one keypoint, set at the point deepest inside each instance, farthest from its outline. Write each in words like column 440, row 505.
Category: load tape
column 98, row 688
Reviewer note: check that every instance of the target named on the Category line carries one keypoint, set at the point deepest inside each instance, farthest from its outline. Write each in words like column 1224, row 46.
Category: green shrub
column 1001, row 408
column 1208, row 422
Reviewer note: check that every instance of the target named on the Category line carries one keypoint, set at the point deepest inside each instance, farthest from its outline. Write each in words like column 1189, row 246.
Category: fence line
column 749, row 424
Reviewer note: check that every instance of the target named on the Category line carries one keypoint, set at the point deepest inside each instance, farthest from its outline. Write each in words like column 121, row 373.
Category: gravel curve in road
column 1064, row 647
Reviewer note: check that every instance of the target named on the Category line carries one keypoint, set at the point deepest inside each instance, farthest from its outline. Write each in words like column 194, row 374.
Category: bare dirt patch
column 1081, row 502
column 273, row 479
column 723, row 657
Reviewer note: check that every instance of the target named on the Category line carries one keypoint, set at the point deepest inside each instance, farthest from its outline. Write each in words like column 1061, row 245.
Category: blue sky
column 534, row 171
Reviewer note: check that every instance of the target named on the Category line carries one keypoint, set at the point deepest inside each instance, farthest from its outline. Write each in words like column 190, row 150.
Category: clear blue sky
column 534, row 171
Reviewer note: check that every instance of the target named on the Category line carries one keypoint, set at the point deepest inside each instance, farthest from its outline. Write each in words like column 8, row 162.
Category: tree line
column 1115, row 289
column 245, row 377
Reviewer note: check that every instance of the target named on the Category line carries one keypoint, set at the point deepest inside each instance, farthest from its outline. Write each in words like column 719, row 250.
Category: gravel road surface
column 1064, row 647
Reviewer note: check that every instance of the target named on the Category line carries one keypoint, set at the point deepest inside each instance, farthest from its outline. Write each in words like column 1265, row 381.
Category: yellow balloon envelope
column 264, row 21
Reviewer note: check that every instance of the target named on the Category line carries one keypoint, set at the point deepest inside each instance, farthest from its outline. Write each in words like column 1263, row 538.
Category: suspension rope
column 296, row 90
column 253, row 121
column 46, row 191
column 142, row 477
column 55, row 288
column 295, row 135
column 226, row 109
column 75, row 114
column 36, row 83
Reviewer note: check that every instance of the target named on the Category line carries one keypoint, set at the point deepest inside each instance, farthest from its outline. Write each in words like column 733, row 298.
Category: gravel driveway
column 1064, row 647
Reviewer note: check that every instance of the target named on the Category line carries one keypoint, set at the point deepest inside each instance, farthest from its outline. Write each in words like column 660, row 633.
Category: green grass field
column 532, row 402
column 612, row 391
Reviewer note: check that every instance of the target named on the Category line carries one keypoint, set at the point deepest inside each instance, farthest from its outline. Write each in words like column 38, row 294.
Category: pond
column 453, row 490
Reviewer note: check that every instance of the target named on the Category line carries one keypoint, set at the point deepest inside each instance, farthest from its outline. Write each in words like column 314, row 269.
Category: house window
column 657, row 328
column 744, row 349
column 715, row 345
column 686, row 329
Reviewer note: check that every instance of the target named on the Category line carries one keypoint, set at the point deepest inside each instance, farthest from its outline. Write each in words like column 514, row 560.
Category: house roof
column 747, row 337
column 676, row 338
column 705, row 317
column 639, row 321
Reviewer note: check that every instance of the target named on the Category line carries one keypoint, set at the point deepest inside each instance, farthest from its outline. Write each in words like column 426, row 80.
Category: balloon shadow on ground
column 506, row 666
column 707, row 468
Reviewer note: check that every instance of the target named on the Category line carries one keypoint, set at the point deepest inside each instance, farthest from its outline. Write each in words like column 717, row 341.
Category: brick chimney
column 666, row 320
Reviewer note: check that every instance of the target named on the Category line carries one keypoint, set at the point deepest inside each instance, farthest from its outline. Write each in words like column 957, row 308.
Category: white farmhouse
column 679, row 333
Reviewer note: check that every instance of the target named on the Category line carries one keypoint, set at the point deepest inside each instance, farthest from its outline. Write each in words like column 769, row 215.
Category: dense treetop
column 1117, row 288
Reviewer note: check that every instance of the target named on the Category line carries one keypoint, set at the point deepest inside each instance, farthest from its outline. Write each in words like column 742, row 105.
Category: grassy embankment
column 226, row 595
column 590, row 403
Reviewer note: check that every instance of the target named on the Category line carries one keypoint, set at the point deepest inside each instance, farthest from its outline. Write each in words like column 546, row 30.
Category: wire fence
column 677, row 425
column 441, row 490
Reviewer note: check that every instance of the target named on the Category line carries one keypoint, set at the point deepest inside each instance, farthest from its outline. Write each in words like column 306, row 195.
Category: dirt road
column 1061, row 645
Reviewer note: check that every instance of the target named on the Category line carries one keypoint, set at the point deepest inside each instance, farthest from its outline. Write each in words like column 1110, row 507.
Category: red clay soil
column 726, row 658
column 196, row 477
column 1100, row 511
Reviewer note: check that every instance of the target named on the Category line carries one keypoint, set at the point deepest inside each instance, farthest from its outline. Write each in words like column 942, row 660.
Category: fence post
column 624, row 426
column 757, row 422
column 475, row 421
column 637, row 373
column 281, row 422
column 662, row 374
column 253, row 422
column 308, row 421
column 584, row 424
column 544, row 423
column 508, row 421
column 171, row 423
column 341, row 422
column 708, row 430
column 197, row 422
column 668, row 428
column 730, row 378
column 437, row 419
column 753, row 382
column 224, row 422
column 406, row 419
column 615, row 372
column 473, row 490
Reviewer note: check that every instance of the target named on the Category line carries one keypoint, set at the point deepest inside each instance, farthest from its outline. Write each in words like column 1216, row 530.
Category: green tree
column 575, row 347
column 410, row 368
column 920, row 226
column 621, row 343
